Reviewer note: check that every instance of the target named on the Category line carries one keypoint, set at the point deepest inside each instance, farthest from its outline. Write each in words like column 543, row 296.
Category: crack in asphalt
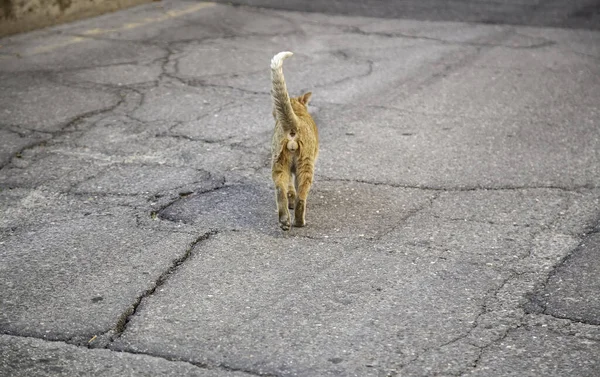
column 190, row 138
column 537, row 304
column 491, row 297
column 24, row 132
column 128, row 314
column 475, row 364
column 70, row 123
column 158, row 213
column 492, row 292
column 122, row 91
column 86, row 346
column 348, row 106
column 573, row 329
column 465, row 188
column 199, row 82
column 410, row 214
column 571, row 319
column 358, row 30
column 202, row 365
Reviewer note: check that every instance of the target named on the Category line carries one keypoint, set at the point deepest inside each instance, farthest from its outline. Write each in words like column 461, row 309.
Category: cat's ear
column 303, row 99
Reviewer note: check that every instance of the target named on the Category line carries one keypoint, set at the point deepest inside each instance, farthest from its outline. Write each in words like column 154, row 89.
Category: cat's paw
column 299, row 223
column 299, row 212
column 284, row 222
column 284, row 225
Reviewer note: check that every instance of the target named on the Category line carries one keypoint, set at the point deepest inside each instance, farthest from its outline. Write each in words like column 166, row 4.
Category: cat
column 294, row 148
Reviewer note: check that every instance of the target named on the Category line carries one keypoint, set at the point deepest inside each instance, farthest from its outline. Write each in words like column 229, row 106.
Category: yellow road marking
column 171, row 14
column 168, row 15
column 42, row 49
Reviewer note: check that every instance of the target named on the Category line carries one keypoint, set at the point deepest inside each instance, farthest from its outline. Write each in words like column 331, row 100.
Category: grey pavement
column 452, row 226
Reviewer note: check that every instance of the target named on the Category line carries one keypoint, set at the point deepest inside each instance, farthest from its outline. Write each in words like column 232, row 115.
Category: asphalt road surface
column 452, row 229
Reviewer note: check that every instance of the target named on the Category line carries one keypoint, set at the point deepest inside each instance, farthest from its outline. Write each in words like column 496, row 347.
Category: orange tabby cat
column 294, row 148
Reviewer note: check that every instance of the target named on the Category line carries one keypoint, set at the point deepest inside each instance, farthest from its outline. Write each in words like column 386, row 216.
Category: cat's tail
column 281, row 99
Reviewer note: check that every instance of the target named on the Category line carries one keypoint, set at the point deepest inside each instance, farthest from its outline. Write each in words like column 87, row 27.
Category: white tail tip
column 278, row 59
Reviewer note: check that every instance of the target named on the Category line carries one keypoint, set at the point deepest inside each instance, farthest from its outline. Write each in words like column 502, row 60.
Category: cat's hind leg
column 281, row 178
column 304, row 179
column 291, row 194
